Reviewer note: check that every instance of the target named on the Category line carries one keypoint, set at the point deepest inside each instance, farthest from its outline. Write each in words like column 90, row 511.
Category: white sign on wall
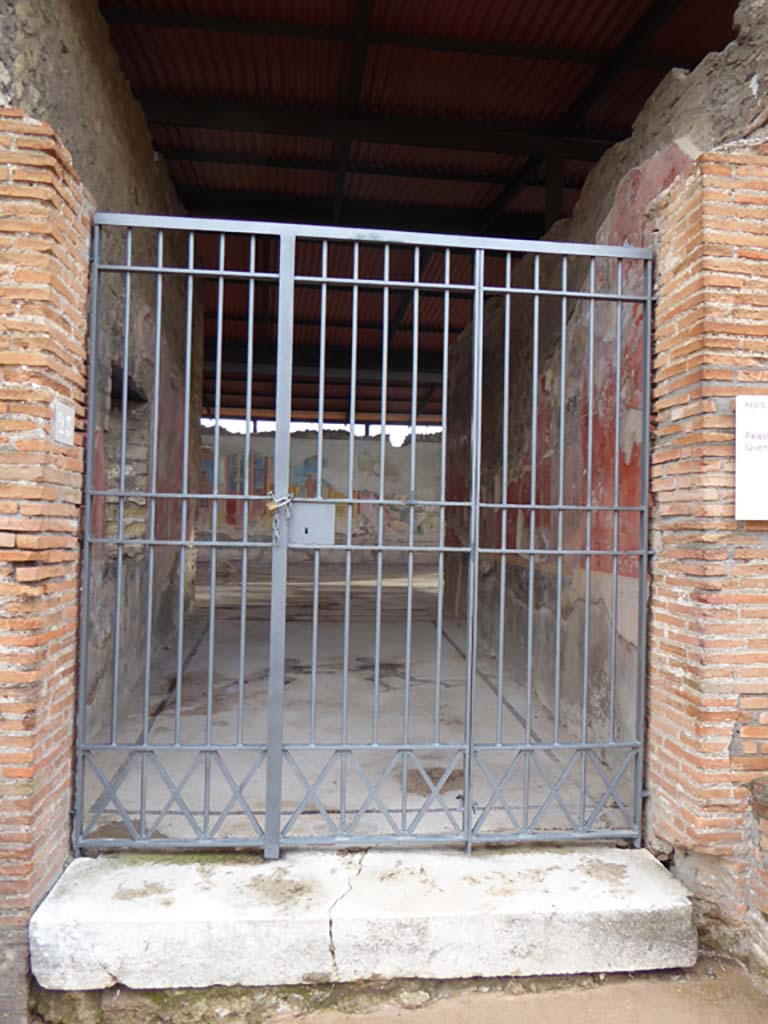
column 752, row 457
column 63, row 422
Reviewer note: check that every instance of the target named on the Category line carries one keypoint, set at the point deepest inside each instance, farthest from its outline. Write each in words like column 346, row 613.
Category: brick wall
column 708, row 640
column 44, row 238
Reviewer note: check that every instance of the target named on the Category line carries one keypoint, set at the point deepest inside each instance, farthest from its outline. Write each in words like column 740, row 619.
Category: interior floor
column 374, row 746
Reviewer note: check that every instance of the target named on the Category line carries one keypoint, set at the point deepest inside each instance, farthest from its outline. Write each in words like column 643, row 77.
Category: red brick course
column 708, row 646
column 45, row 217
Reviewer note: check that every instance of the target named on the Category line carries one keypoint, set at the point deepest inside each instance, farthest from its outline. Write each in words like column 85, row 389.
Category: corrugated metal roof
column 242, row 177
column 444, row 161
column 194, row 64
column 474, row 87
column 589, row 23
column 245, row 144
column 422, row 115
column 458, row 194
column 288, row 56
column 311, row 12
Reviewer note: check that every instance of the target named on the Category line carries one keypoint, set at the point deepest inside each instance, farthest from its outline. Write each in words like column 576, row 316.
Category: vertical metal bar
column 318, row 490
column 215, row 507
column 117, row 632
column 153, row 484
column 246, row 491
column 643, row 568
column 411, row 495
column 382, row 487
column 588, row 538
column 411, row 499
column 85, row 569
column 152, row 522
column 350, row 499
column 184, row 485
column 280, row 548
column 534, row 480
column 616, row 466
column 474, row 536
column 504, row 512
column 348, row 560
column 560, row 498
column 312, row 732
column 532, row 538
column 350, row 486
column 443, row 453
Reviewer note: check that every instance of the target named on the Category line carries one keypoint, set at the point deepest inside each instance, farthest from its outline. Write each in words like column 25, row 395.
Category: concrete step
column 150, row 922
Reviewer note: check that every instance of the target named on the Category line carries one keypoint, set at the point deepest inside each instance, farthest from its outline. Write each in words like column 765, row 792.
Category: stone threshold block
column 151, row 922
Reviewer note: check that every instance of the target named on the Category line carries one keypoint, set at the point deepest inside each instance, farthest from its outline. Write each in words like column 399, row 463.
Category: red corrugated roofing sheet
column 591, row 24
column 283, row 70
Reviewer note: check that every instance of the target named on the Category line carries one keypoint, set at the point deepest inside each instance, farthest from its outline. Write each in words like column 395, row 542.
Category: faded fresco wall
column 139, row 609
column 687, row 113
column 332, row 483
column 611, row 594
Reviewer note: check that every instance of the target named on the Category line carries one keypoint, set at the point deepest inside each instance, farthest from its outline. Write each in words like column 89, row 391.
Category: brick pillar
column 45, row 218
column 708, row 638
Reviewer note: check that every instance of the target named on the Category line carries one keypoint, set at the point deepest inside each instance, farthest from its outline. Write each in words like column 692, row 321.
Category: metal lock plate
column 311, row 524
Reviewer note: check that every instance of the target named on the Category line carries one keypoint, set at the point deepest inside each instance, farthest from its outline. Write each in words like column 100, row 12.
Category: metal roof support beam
column 430, row 133
column 337, row 365
column 352, row 91
column 426, row 400
column 242, row 204
column 227, row 157
column 555, row 190
column 306, row 321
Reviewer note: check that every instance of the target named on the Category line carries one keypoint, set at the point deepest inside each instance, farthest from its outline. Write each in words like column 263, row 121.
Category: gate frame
column 288, row 235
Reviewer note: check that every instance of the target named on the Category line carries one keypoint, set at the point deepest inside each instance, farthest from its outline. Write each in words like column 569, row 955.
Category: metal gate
column 425, row 626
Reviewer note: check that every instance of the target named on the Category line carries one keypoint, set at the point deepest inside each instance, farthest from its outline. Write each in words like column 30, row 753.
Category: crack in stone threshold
column 347, row 891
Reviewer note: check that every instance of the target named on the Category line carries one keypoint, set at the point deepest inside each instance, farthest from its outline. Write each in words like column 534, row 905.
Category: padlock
column 273, row 503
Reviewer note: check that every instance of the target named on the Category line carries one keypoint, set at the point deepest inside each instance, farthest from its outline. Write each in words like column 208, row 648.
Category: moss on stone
column 200, row 857
column 64, row 1007
column 242, row 1005
column 141, row 891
